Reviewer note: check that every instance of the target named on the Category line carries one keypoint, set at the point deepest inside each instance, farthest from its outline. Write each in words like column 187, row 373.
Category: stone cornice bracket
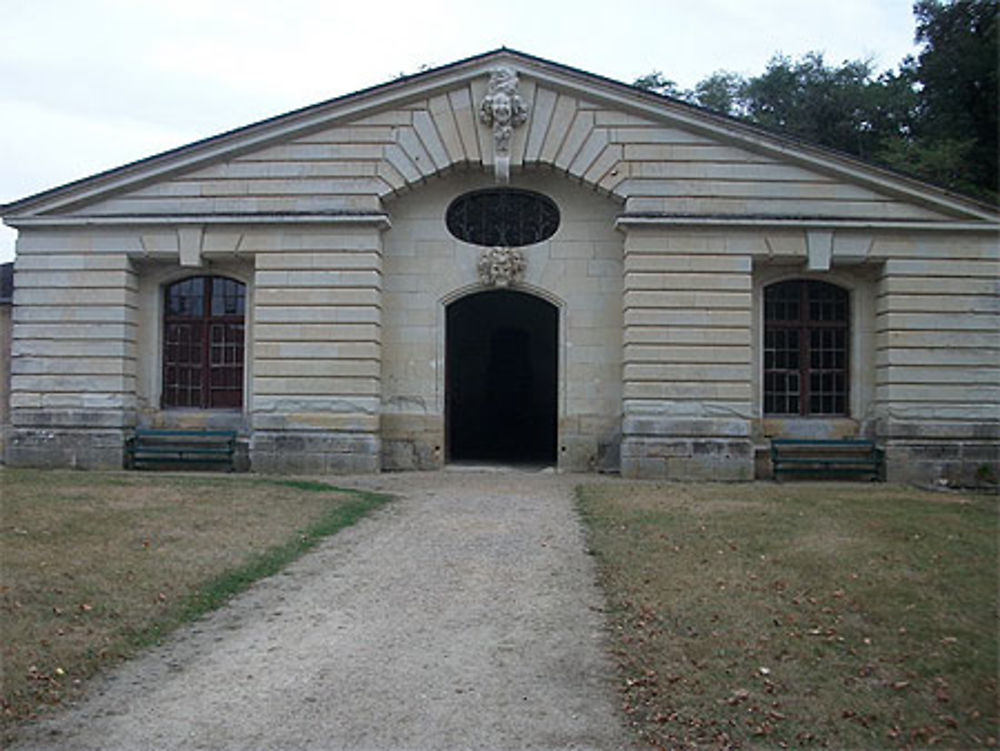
column 501, row 267
column 503, row 109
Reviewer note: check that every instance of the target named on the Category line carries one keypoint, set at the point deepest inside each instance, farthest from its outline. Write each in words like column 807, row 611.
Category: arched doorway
column 501, row 371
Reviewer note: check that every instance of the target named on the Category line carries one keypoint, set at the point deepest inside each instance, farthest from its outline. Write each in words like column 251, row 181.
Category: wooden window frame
column 804, row 329
column 203, row 351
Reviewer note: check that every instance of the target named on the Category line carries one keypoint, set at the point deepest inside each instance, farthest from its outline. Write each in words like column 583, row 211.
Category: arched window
column 203, row 343
column 805, row 348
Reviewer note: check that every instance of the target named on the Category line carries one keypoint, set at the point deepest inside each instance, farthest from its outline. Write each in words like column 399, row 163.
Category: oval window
column 502, row 217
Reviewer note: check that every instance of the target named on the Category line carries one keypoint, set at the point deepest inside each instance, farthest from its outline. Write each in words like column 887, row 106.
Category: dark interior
column 501, row 371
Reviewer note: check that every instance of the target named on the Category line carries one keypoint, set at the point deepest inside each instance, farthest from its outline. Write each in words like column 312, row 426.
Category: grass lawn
column 835, row 615
column 94, row 565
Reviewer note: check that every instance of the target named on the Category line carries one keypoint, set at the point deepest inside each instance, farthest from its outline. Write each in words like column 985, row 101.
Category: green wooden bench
column 149, row 446
column 846, row 456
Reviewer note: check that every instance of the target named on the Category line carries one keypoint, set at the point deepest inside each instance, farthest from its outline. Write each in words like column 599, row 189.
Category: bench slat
column 181, row 449
column 149, row 432
column 825, row 456
column 152, row 445
column 179, row 460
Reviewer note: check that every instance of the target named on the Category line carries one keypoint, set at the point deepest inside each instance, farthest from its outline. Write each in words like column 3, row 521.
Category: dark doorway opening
column 501, row 378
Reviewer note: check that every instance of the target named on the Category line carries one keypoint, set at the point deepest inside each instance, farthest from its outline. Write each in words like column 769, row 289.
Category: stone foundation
column 314, row 453
column 956, row 454
column 412, row 442
column 56, row 448
column 657, row 447
column 687, row 459
column 966, row 464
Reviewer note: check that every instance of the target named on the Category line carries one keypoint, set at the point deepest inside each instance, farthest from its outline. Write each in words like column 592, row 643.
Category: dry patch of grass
column 833, row 615
column 95, row 565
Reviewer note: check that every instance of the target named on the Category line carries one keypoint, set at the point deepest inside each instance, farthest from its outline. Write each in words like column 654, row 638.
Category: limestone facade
column 673, row 223
column 6, row 325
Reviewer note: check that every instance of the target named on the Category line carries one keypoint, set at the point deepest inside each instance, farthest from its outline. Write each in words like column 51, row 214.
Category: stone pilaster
column 687, row 357
column 938, row 364
column 317, row 349
column 73, row 354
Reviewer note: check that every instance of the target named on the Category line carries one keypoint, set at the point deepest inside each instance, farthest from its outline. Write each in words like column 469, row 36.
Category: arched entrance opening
column 501, row 369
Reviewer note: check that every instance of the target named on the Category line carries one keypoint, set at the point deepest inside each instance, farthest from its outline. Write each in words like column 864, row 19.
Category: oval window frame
column 467, row 218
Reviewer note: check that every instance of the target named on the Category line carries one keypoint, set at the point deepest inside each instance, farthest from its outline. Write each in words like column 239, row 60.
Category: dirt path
column 463, row 616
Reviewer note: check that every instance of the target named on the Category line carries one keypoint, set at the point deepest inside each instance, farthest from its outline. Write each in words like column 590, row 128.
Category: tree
column 934, row 116
column 658, row 84
column 844, row 107
column 722, row 91
column 957, row 74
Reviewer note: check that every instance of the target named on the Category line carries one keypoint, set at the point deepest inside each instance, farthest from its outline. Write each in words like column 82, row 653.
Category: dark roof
column 6, row 283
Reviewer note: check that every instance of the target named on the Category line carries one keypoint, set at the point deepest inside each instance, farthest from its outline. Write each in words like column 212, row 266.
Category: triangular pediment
column 657, row 156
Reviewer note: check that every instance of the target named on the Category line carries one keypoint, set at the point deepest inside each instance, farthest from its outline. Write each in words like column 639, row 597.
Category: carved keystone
column 504, row 109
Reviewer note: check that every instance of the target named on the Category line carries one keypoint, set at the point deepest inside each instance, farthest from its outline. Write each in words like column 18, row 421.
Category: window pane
column 228, row 297
column 781, row 301
column 186, row 298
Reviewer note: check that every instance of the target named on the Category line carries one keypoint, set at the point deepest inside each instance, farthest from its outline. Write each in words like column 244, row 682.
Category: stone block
column 211, row 419
column 79, row 419
column 694, row 459
column 937, row 463
column 76, row 449
column 938, row 430
column 402, row 454
column 668, row 426
column 314, row 453
column 797, row 427
column 412, row 441
column 324, row 421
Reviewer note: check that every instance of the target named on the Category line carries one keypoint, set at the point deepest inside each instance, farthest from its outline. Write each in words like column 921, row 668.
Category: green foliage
column 723, row 91
column 843, row 107
column 957, row 73
column 943, row 161
column 934, row 117
column 656, row 83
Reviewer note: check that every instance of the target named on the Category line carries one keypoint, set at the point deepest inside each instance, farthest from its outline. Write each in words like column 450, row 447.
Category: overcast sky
column 86, row 85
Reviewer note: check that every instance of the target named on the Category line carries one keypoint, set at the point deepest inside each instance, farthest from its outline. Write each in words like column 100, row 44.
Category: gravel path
column 462, row 616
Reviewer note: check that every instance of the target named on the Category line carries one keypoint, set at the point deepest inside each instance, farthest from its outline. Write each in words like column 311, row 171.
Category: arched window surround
column 861, row 284
column 203, row 322
column 807, row 342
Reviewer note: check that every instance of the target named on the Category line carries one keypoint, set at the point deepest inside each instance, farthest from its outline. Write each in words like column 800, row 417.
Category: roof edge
column 19, row 205
column 720, row 125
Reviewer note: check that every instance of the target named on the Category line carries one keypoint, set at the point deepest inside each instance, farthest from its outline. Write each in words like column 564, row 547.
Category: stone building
column 505, row 259
column 6, row 302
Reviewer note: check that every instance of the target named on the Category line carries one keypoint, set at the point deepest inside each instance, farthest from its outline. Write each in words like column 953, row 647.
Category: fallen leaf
column 739, row 695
